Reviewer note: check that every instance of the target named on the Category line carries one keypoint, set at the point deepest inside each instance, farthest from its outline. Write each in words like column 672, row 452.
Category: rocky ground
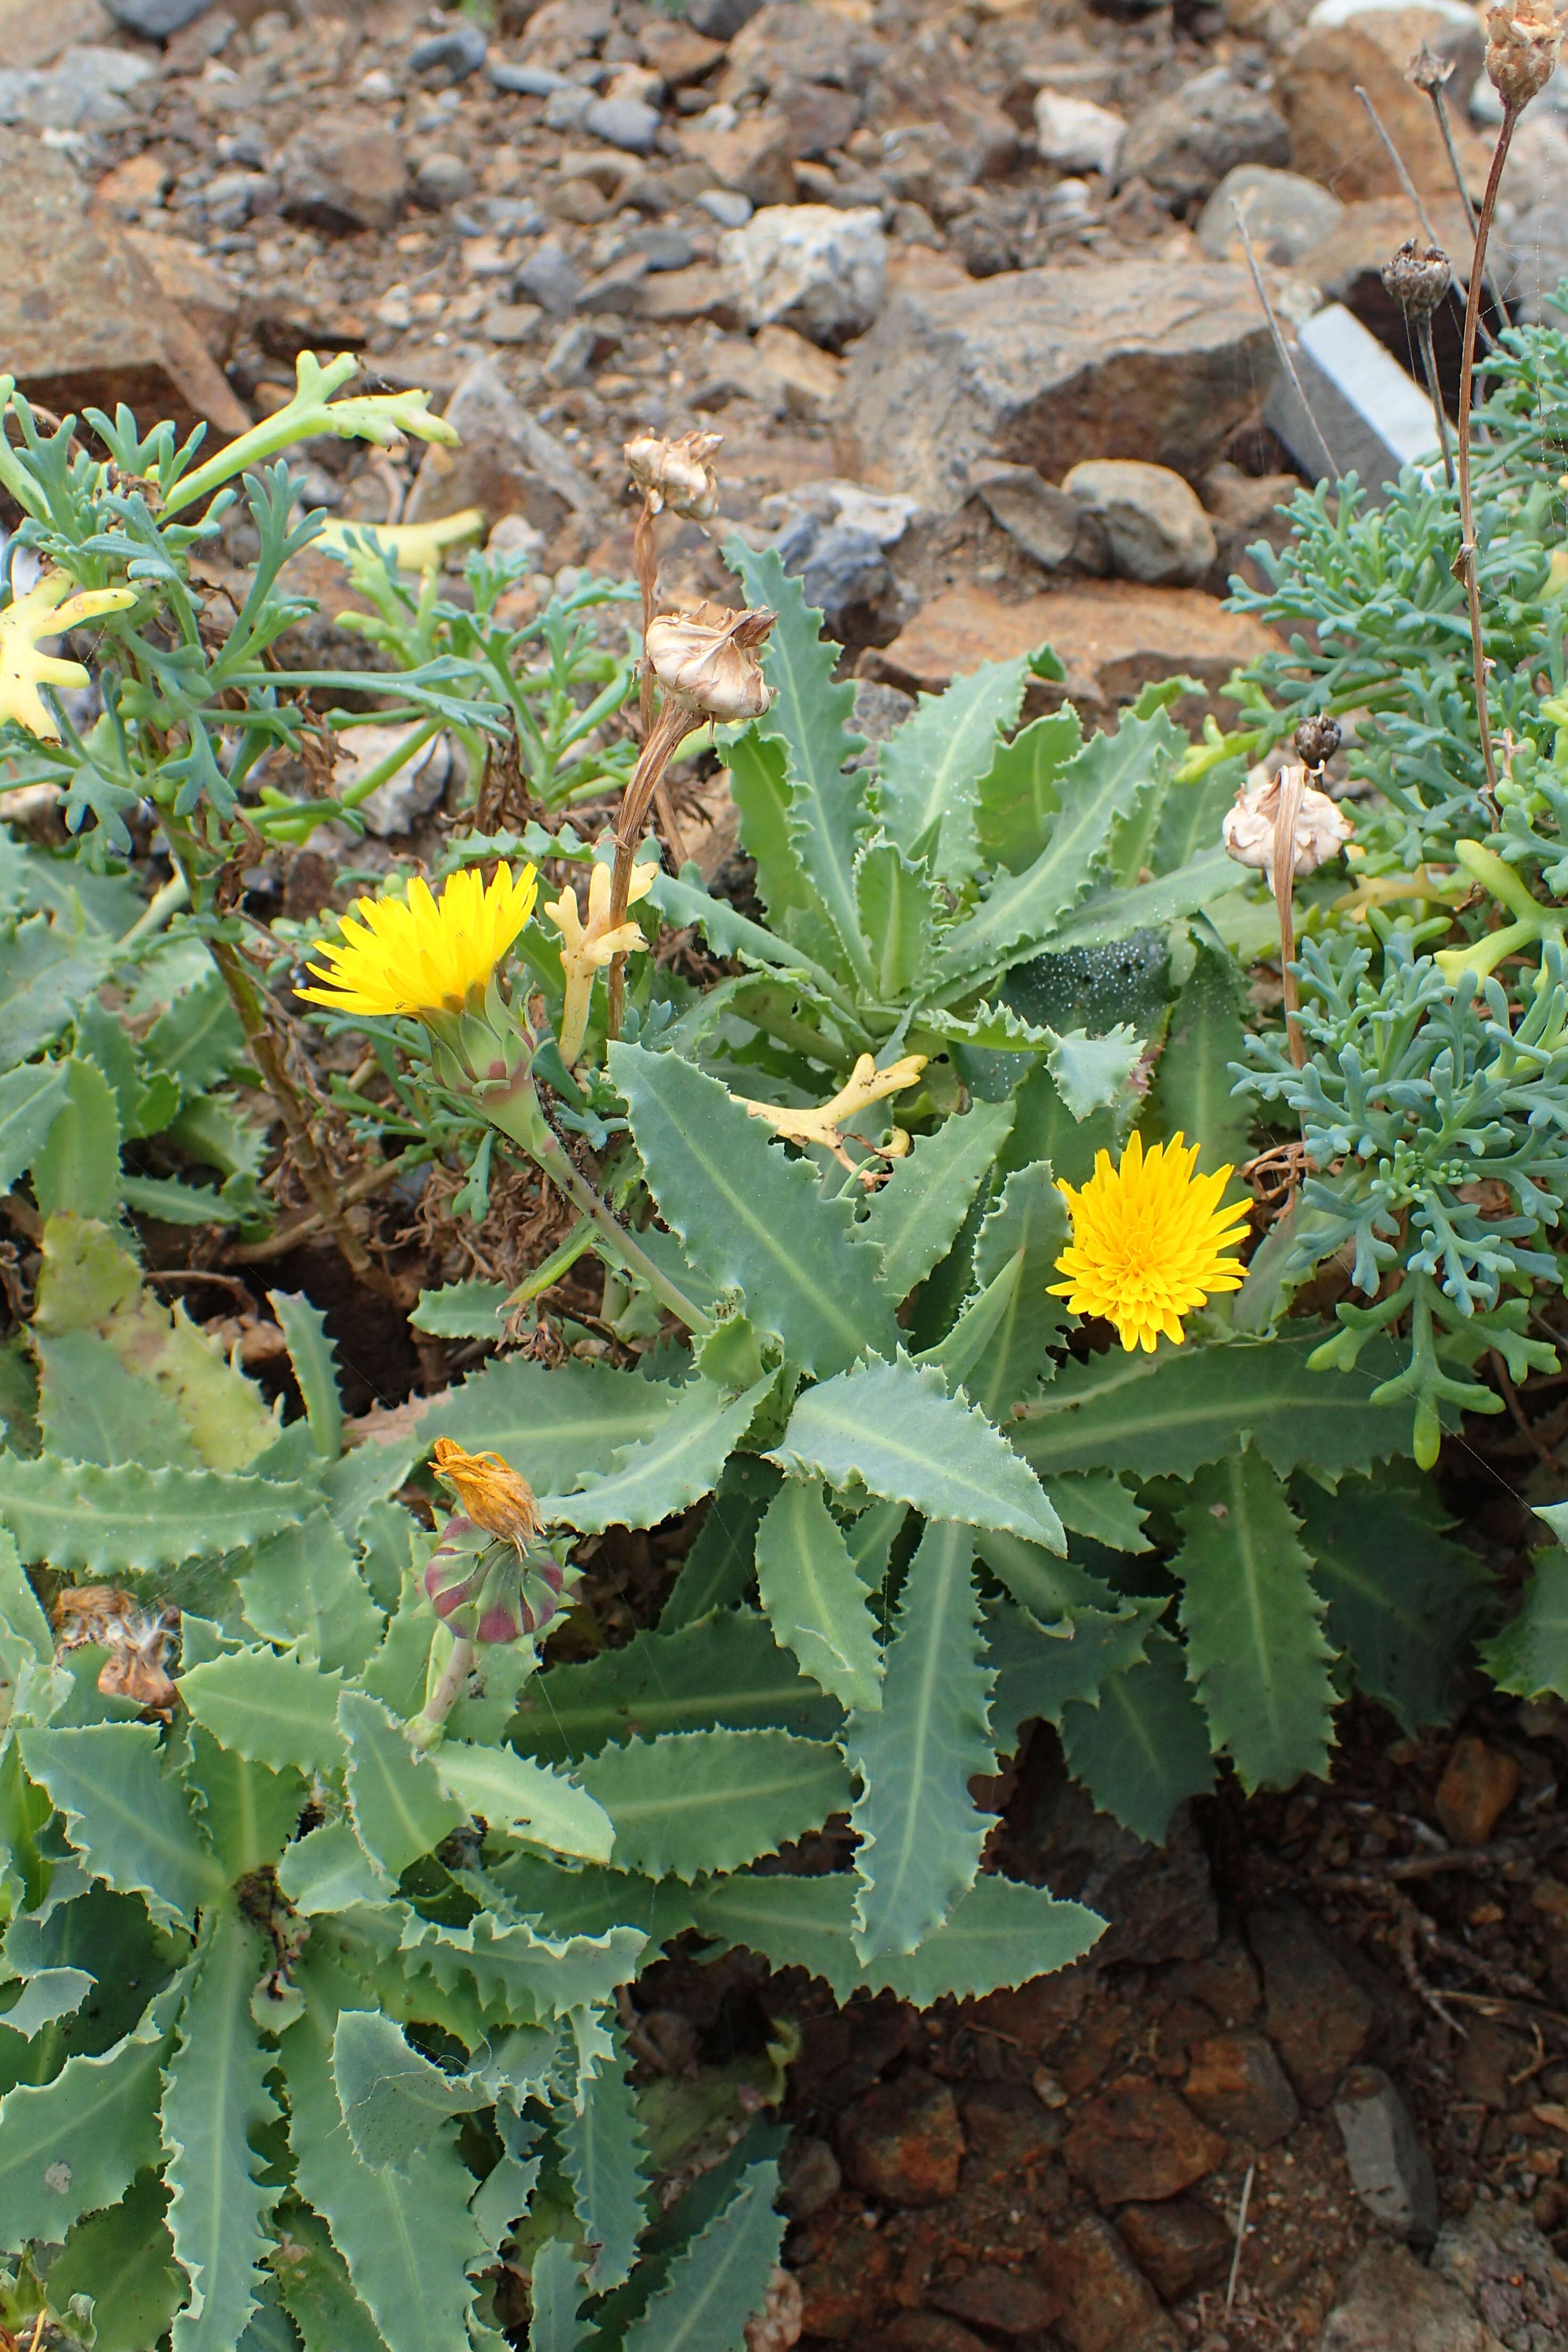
column 961, row 287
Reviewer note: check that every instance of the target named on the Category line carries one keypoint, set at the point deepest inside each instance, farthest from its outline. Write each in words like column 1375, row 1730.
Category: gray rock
column 1498, row 2259
column 396, row 806
column 1184, row 145
column 879, row 711
column 85, row 89
column 843, row 572
column 1390, row 2304
column 1042, row 519
column 565, row 108
column 1374, row 416
column 815, row 267
column 1154, row 526
column 1286, row 216
column 1048, row 367
column 617, row 290
column 1076, row 135
column 233, row 197
column 454, row 55
column 1538, row 252
column 442, row 180
column 506, row 464
column 721, row 20
column 809, row 2176
column 154, row 20
column 624, row 122
column 550, row 278
column 1391, row 2171
column 343, row 172
column 570, row 357
column 663, row 248
column 528, row 81
column 728, row 207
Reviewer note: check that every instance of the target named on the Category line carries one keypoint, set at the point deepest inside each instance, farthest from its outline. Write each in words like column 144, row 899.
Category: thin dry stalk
column 1282, row 348
column 1282, row 876
column 1439, row 414
column 1465, row 562
column 1397, row 160
column 1240, row 2235
column 646, row 777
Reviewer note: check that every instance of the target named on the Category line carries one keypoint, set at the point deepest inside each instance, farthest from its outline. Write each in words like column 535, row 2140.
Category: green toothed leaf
column 312, row 1355
column 668, row 1471
column 1402, row 1601
column 123, row 2258
column 897, row 907
column 317, row 2292
column 718, row 2282
column 122, row 1520
column 400, row 1808
column 817, row 1604
column 512, row 1793
column 1041, row 1672
column 70, row 2146
column 699, row 1801
column 1192, row 1091
column 914, row 1217
column 126, row 1813
column 393, row 2099
column 718, row 1568
column 1017, row 799
column 30, row 1100
column 581, row 1415
column 1144, row 1746
column 604, row 2156
column 930, row 770
column 269, row 1709
column 303, row 1586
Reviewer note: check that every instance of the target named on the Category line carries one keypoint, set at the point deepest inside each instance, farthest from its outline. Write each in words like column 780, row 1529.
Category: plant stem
column 1465, row 563
column 427, row 1728
column 658, row 750
column 1429, row 369
column 1282, row 880
column 279, row 1244
column 1281, row 347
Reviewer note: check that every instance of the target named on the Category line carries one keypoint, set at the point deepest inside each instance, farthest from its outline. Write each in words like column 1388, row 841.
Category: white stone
column 1076, row 135
column 1153, row 520
column 810, row 266
column 1374, row 416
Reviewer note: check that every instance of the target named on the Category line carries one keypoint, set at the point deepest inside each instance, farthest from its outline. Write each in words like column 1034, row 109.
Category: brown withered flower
column 1317, row 739
column 707, row 660
column 99, row 1616
column 494, row 1495
column 1524, row 40
column 1318, row 827
column 1428, row 70
column 1419, row 278
column 676, row 474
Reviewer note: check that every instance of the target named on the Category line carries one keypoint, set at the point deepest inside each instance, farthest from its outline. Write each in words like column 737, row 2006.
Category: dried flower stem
column 1440, row 108
column 1281, row 347
column 1465, row 562
column 1409, row 185
column 645, row 563
column 1282, row 876
column 1439, row 414
column 658, row 749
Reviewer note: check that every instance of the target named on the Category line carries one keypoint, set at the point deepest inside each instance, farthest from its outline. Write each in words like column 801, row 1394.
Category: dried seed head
column 1317, row 740
column 138, row 1641
column 490, row 1492
column 1249, row 829
column 1417, row 278
column 1524, row 39
column 1428, row 70
column 708, row 660
column 676, row 474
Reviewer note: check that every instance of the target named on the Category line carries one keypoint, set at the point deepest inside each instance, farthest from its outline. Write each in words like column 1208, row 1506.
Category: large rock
column 91, row 328
column 154, row 20
column 1344, row 44
column 1318, row 2018
column 35, row 32
column 343, row 172
column 754, row 153
column 789, row 42
column 1496, row 2256
column 1391, row 2303
column 1183, row 146
column 1108, row 2304
column 202, row 297
column 85, row 89
column 1048, row 367
column 1154, row 526
column 505, row 464
column 1138, row 2140
column 1286, row 216
column 810, row 267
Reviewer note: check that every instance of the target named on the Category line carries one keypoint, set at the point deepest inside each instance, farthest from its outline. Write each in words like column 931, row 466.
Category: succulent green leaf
column 1041, row 1673
column 513, row 1792
column 762, row 796
column 70, row 2146
column 400, row 1808
column 1192, row 1090
column 79, row 1168
column 21, row 1610
column 1017, row 799
column 126, row 1813
column 1166, row 1415
column 897, row 907
column 1029, row 1222
column 1402, row 1601
column 47, row 971
column 693, row 1801
column 198, row 1040
column 580, row 1416
column 726, row 1671
column 215, row 2097
column 603, row 2154
column 812, row 715
column 718, row 1568
column 1092, row 1073
column 1049, row 1588
column 914, row 1217
column 1096, row 1503
column 1145, row 1744
column 929, row 770
column 248, row 1813
column 720, row 2280
column 30, row 1098
column 817, row 1603
column 748, row 1217
column 527, row 1977
column 461, row 1310
column 1099, row 789
column 555, row 2293
column 121, row 1519
column 317, row 2292
column 51, row 1994
column 1529, row 1656
column 393, row 2099
column 1257, row 1654
column 304, row 1586
column 921, row 1831
column 1000, row 1933
column 270, row 1708
column 329, row 1870
column 895, row 1428
column 313, row 1354
column 1110, row 914
column 665, row 1472
column 93, row 1408
column 124, row 2260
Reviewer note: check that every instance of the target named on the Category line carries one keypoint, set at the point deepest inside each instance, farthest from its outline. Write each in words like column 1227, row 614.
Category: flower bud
column 707, row 658
column 1428, row 70
column 1418, row 279
column 1249, row 829
column 1317, row 740
column 1523, row 41
column 485, row 1589
column 676, row 474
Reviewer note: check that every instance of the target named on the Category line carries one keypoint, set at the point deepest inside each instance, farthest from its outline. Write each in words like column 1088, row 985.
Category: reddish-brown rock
column 676, row 51
column 1477, row 1788
column 845, row 2284
column 755, row 156
column 1011, row 2301
column 1236, row 2083
column 1318, row 2018
column 1138, row 2140
column 1179, row 2245
column 903, row 2142
column 1332, row 139
column 1107, row 2305
column 1226, row 1981
column 926, row 2331
column 1112, row 637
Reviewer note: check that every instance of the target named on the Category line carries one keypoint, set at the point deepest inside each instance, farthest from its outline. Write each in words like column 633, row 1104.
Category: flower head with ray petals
column 1146, row 1241
column 427, row 956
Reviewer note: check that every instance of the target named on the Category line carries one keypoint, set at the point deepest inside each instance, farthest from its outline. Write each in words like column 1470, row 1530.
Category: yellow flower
column 1146, row 1241
column 496, row 1496
column 427, row 956
column 587, row 948
column 46, row 611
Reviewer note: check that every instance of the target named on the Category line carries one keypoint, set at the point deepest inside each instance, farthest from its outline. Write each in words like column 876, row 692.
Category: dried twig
column 1240, row 2235
column 1397, row 160
column 1281, row 347
column 1464, row 567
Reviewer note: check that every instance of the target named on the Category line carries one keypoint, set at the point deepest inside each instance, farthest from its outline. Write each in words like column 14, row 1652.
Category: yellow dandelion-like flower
column 427, row 956
column 1146, row 1241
